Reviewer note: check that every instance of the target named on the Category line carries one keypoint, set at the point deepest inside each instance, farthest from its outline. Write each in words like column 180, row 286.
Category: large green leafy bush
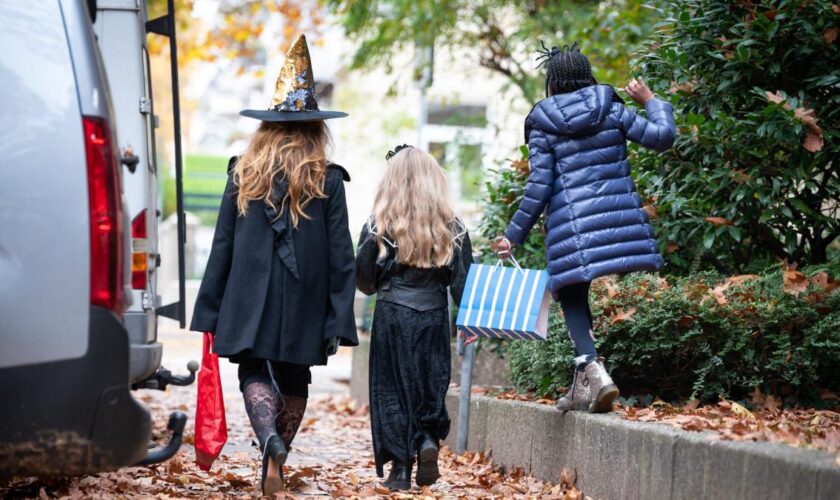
column 702, row 336
column 755, row 173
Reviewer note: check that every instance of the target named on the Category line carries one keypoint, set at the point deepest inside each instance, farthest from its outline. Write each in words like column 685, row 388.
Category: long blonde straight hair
column 294, row 151
column 412, row 209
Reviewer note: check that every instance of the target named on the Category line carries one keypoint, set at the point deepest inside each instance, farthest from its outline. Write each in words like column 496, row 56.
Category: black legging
column 574, row 299
column 275, row 397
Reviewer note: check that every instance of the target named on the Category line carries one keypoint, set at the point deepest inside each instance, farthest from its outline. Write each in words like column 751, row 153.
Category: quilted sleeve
column 538, row 190
column 657, row 132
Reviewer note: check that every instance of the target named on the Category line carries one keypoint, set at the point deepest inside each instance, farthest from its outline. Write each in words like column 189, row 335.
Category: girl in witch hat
column 280, row 282
column 411, row 250
column 580, row 177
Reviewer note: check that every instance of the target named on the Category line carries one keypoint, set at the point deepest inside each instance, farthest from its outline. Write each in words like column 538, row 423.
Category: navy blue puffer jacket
column 595, row 224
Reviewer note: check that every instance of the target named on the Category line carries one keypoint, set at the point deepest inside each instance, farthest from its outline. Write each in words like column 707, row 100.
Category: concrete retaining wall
column 489, row 369
column 616, row 458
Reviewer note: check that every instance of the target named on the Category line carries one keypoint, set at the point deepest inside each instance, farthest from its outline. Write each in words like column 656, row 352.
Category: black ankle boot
column 399, row 478
column 274, row 456
column 427, row 461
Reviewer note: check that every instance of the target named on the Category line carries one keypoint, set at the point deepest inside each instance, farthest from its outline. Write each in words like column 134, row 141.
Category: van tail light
column 106, row 217
column 139, row 251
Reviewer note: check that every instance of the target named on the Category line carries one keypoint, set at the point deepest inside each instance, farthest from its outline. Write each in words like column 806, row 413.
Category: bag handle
column 513, row 261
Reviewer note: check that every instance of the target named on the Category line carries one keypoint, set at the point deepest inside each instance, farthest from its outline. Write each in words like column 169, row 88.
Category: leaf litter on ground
column 762, row 418
column 331, row 457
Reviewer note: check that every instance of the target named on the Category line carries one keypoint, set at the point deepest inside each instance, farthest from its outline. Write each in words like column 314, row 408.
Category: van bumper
column 74, row 416
column 144, row 351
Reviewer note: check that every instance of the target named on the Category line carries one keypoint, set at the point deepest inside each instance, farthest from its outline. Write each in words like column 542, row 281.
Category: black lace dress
column 409, row 352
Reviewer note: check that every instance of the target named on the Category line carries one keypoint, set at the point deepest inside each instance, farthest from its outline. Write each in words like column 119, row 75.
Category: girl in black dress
column 411, row 250
column 279, row 285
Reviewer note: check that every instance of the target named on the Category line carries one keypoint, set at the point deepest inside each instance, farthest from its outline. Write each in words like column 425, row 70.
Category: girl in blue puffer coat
column 595, row 225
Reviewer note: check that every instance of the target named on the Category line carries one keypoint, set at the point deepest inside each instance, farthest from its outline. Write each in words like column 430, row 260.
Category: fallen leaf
column 740, row 176
column 719, row 221
column 836, row 9
column 794, row 282
column 521, row 166
column 813, row 142
column 741, row 411
column 651, row 212
column 775, row 97
column 568, row 478
column 686, row 87
column 719, row 294
column 741, row 278
column 830, row 34
column 622, row 316
column 671, row 247
column 824, row 282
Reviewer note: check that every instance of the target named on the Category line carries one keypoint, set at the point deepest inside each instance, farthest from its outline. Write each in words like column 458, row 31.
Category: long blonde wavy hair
column 295, row 152
column 412, row 209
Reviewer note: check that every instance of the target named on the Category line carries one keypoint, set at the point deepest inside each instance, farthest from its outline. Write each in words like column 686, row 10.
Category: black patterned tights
column 273, row 413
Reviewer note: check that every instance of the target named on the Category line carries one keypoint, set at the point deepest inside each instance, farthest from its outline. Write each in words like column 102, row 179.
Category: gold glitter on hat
column 295, row 88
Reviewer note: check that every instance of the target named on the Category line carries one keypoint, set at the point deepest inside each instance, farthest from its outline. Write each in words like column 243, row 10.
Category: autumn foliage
column 754, row 174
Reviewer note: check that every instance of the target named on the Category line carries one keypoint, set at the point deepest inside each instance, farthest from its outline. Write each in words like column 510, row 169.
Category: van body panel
column 74, row 416
column 44, row 220
column 121, row 33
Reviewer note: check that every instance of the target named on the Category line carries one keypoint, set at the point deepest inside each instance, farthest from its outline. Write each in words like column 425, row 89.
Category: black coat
column 275, row 292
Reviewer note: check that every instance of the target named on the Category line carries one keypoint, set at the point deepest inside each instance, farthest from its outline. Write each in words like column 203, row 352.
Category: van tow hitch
column 177, row 420
column 164, row 377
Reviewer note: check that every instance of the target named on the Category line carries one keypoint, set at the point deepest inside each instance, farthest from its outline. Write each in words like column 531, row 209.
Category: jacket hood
column 574, row 113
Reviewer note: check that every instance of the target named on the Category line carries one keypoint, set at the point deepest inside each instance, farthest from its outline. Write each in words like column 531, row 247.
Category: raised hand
column 638, row 90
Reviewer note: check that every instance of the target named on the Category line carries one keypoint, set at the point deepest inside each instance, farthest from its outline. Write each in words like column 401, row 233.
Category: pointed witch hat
column 294, row 94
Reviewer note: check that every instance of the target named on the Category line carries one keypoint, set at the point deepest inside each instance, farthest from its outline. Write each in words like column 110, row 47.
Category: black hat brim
column 269, row 115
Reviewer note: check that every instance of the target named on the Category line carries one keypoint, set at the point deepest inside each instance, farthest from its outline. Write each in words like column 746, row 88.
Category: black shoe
column 427, row 462
column 274, row 456
column 399, row 478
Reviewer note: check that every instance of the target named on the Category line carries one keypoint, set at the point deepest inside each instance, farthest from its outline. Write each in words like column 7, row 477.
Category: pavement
column 182, row 346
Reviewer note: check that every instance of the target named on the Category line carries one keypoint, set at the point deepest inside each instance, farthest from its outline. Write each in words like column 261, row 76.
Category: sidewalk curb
column 617, row 458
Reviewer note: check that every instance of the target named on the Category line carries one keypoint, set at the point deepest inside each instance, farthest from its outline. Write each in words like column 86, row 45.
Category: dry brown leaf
column 813, row 142
column 621, row 316
column 651, row 212
column 568, row 478
column 686, row 87
column 671, row 247
column 718, row 293
column 719, row 221
column 794, row 282
column 775, row 97
column 691, row 405
column 741, row 278
column 830, row 34
column 836, row 9
column 824, row 282
column 740, row 176
column 740, row 411
column 520, row 165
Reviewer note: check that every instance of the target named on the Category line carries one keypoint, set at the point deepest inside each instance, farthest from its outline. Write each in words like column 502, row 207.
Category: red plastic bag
column 210, row 423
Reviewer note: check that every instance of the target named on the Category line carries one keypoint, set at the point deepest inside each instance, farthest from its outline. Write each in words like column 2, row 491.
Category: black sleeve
column 463, row 260
column 341, row 321
column 213, row 283
column 367, row 270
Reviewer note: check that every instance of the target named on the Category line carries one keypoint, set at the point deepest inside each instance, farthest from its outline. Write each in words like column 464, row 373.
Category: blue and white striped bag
column 504, row 302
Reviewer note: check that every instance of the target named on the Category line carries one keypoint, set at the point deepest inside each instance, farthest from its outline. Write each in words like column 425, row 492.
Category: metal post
column 466, row 394
column 179, row 170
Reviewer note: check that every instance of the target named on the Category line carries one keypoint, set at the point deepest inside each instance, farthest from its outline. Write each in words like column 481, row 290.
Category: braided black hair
column 567, row 69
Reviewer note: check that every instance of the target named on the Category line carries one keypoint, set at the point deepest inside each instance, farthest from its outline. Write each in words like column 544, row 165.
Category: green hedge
column 697, row 337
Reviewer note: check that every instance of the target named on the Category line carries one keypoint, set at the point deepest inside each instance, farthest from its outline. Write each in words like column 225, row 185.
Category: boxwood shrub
column 701, row 336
